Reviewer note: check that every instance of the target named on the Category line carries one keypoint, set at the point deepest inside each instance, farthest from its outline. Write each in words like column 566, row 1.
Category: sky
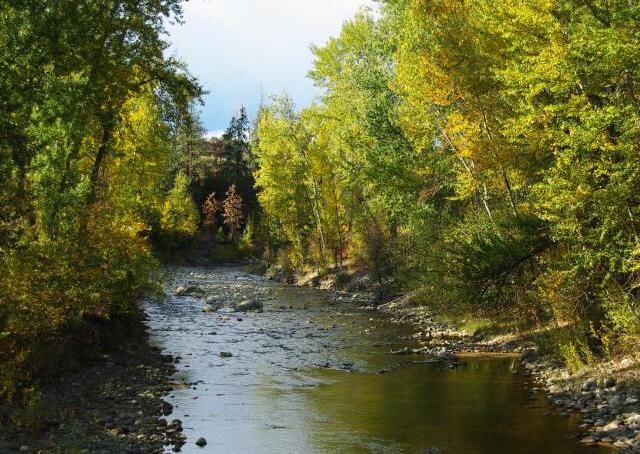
column 241, row 49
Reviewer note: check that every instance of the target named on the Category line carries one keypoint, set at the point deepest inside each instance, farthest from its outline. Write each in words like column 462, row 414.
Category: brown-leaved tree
column 232, row 214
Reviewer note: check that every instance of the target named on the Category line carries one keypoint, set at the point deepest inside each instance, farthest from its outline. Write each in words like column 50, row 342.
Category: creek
column 313, row 374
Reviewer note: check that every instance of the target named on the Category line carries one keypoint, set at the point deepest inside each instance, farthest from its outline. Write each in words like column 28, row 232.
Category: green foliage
column 225, row 253
column 246, row 245
column 179, row 217
column 484, row 152
column 491, row 266
column 89, row 114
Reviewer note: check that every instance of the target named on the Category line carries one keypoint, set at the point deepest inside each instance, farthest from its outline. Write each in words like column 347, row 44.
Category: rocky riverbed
column 274, row 367
column 114, row 405
column 606, row 396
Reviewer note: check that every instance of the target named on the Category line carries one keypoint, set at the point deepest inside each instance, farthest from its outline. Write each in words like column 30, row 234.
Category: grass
column 480, row 326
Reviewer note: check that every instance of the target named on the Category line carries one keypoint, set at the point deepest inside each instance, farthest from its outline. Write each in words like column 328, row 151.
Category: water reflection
column 480, row 407
column 305, row 378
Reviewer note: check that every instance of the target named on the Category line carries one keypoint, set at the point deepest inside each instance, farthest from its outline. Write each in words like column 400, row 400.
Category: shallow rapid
column 314, row 374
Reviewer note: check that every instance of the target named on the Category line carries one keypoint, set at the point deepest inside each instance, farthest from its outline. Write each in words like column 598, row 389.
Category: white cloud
column 214, row 134
column 238, row 47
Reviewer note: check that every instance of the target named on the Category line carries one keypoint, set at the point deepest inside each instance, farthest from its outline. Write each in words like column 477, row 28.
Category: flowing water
column 315, row 375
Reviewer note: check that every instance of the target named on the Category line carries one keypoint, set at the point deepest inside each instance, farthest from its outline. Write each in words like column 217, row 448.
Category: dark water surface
column 310, row 375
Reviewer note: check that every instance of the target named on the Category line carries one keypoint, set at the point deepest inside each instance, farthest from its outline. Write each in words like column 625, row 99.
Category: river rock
column 529, row 354
column 611, row 426
column 213, row 306
column 175, row 424
column 626, row 363
column 589, row 384
column 589, row 440
column 249, row 305
column 278, row 273
column 201, row 442
column 186, row 291
column 632, row 418
column 166, row 408
column 215, row 302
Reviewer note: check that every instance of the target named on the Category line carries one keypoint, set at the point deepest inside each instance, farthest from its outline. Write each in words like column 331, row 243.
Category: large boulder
column 249, row 305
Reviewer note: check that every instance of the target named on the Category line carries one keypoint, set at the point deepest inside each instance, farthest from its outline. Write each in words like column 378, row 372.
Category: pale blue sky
column 237, row 48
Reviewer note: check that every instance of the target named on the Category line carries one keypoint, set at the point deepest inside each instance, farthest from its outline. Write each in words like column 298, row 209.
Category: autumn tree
column 232, row 211
column 224, row 161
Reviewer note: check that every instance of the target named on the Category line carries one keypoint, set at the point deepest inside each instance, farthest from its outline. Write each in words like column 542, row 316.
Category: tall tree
column 233, row 211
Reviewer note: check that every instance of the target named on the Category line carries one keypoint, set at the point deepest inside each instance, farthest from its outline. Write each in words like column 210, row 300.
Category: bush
column 57, row 293
column 246, row 246
column 481, row 267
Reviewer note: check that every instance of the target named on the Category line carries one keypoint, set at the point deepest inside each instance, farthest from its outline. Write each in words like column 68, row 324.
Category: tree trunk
column 107, row 133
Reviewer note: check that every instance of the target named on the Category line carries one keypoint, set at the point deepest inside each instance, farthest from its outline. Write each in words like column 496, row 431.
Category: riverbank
column 114, row 404
column 605, row 394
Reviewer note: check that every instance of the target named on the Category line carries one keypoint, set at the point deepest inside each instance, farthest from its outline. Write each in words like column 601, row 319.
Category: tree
column 236, row 146
column 284, row 193
column 237, row 159
column 179, row 215
column 222, row 162
column 233, row 215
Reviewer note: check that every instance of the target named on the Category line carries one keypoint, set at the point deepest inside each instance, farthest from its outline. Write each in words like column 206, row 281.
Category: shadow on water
column 305, row 377
column 479, row 407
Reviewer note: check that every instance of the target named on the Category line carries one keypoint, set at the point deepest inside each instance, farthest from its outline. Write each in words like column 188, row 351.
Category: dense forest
column 485, row 153
column 95, row 123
